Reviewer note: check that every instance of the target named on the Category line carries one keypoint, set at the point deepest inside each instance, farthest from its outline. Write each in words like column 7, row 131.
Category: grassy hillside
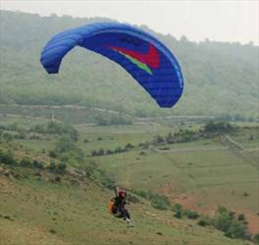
column 221, row 79
column 200, row 173
column 66, row 213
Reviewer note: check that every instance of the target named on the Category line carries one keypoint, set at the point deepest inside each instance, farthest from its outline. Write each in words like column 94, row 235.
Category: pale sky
column 218, row 20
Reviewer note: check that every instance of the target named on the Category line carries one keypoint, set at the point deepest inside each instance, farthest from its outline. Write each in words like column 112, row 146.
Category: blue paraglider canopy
column 148, row 60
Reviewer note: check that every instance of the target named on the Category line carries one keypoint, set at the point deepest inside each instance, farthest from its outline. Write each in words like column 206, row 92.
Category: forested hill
column 220, row 78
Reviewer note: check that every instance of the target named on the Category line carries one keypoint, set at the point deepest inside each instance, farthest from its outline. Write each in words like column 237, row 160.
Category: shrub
column 109, row 152
column 118, row 150
column 37, row 164
column 94, row 153
column 61, row 168
column 232, row 227
column 8, row 137
column 204, row 221
column 159, row 202
column 26, row 162
column 219, row 127
column 129, row 146
column 52, row 231
column 177, row 208
column 191, row 214
column 256, row 238
column 57, row 168
column 246, row 194
column 52, row 154
column 241, row 217
column 159, row 140
column 101, row 152
column 7, row 157
column 223, row 219
column 237, row 230
column 52, row 166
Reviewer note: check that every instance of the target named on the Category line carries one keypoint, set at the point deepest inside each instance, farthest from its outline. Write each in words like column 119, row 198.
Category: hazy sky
column 221, row 20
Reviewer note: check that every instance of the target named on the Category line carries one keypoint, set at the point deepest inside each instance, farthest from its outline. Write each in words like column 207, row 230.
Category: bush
column 37, row 164
column 118, row 150
column 223, row 221
column 57, row 168
column 129, row 146
column 157, row 201
column 177, row 208
column 237, row 230
column 26, row 162
column 8, row 137
column 61, row 168
column 204, row 221
column 191, row 214
column 52, row 166
column 52, row 154
column 256, row 238
column 234, row 228
column 109, row 152
column 101, row 152
column 159, row 140
column 241, row 217
column 7, row 157
column 94, row 153
column 219, row 127
column 246, row 194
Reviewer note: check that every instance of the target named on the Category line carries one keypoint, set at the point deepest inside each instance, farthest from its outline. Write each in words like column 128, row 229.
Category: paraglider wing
column 148, row 61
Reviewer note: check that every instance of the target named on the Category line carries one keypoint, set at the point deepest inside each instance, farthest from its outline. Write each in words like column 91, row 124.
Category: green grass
column 38, row 145
column 41, row 212
column 211, row 177
column 111, row 137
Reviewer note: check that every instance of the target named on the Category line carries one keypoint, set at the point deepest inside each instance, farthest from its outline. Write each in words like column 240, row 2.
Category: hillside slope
column 75, row 212
column 54, row 184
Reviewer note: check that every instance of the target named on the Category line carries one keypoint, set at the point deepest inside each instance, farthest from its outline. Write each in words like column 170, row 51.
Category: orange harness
column 111, row 206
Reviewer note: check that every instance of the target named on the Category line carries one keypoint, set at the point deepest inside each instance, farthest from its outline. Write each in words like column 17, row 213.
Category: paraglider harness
column 117, row 205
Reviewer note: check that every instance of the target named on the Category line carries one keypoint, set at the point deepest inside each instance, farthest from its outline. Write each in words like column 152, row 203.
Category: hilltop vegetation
column 221, row 79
